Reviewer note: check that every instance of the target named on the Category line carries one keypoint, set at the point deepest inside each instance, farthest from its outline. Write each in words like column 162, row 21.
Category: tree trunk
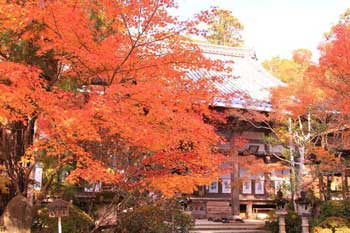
column 301, row 170
column 293, row 186
column 292, row 166
column 321, row 185
column 15, row 139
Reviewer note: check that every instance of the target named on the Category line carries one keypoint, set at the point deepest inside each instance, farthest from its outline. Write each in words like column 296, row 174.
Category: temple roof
column 248, row 77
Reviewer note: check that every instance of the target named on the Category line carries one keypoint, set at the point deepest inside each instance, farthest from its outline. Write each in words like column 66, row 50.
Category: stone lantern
column 281, row 211
column 58, row 209
column 304, row 210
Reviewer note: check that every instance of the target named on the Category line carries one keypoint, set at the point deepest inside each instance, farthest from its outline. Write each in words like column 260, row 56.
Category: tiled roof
column 248, row 77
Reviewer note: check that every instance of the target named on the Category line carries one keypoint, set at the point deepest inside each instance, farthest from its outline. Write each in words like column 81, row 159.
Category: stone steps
column 229, row 231
column 231, row 225
column 212, row 227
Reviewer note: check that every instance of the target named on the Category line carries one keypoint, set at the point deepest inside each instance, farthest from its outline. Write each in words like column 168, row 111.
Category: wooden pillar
column 235, row 205
column 249, row 209
column 343, row 185
column 321, row 186
column 328, row 189
column 59, row 225
column 235, row 188
column 201, row 191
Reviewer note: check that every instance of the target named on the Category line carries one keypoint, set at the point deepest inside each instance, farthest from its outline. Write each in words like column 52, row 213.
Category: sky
column 277, row 27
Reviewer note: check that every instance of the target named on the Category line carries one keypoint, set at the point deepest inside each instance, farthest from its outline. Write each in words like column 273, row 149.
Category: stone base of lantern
column 305, row 223
column 281, row 220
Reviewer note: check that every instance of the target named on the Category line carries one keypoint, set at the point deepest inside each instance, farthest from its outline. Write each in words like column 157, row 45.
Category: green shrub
column 334, row 222
column 342, row 230
column 154, row 219
column 77, row 222
column 183, row 222
column 293, row 223
column 272, row 226
column 321, row 230
column 335, row 209
column 333, row 216
column 333, row 225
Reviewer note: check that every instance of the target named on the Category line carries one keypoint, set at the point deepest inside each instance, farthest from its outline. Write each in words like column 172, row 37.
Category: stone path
column 250, row 226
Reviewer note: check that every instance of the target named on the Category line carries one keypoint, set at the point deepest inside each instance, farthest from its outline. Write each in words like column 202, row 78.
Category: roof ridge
column 227, row 50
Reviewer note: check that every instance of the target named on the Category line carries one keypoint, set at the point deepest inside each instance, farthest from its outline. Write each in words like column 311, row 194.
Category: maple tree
column 310, row 107
column 102, row 86
column 331, row 76
column 333, row 71
column 302, row 122
column 299, row 121
column 344, row 19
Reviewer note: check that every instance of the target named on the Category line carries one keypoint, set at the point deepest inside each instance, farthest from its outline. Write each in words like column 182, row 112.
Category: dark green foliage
column 68, row 84
column 332, row 209
column 334, row 222
column 272, row 226
column 154, row 219
column 77, row 222
column 334, row 225
column 334, row 215
column 23, row 51
column 28, row 52
column 293, row 223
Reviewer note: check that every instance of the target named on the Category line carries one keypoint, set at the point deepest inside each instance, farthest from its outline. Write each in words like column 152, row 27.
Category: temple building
column 251, row 84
